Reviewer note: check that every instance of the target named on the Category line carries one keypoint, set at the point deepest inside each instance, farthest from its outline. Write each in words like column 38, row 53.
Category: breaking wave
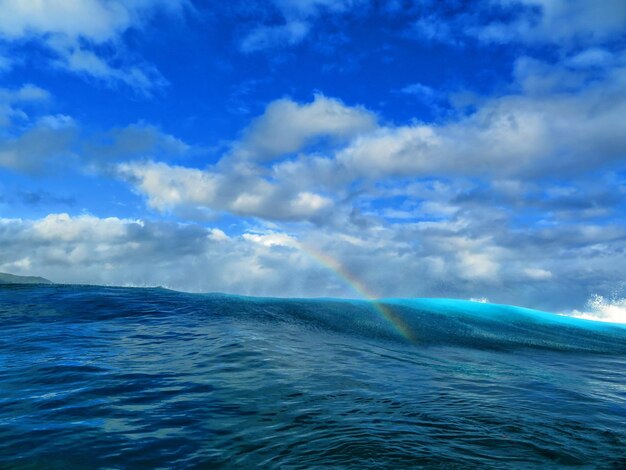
column 603, row 309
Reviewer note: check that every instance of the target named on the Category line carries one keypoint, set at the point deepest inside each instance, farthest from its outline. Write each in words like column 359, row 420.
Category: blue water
column 94, row 377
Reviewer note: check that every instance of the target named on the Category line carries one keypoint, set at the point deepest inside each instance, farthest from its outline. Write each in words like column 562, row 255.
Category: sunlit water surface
column 94, row 377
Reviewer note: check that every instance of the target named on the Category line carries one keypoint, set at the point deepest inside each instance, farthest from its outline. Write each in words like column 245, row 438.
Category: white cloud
column 560, row 22
column 403, row 260
column 433, row 28
column 87, row 249
column 458, row 192
column 71, row 30
column 142, row 78
column 477, row 266
column 546, row 124
column 94, row 20
column 169, row 187
column 12, row 102
column 592, row 57
column 287, row 126
column 240, row 184
column 266, row 37
column 534, row 131
column 29, row 92
column 56, row 121
column 272, row 239
column 541, row 130
column 564, row 24
column 91, row 19
column 218, row 235
column 538, row 274
column 297, row 19
column 420, row 90
column 63, row 228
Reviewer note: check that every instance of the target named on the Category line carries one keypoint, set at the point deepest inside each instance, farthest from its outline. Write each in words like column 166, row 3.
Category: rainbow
column 357, row 286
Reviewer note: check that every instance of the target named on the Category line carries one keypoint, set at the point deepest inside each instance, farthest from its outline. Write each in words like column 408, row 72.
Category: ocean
column 124, row 378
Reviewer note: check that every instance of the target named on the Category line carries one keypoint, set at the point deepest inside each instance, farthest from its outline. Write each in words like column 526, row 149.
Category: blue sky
column 457, row 149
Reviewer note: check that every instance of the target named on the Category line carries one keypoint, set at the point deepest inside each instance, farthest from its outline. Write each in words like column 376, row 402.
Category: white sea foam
column 600, row 308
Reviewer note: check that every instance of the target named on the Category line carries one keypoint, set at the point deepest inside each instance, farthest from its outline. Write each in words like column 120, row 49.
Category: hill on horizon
column 6, row 278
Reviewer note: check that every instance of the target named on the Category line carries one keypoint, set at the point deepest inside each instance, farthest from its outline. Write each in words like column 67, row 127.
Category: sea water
column 99, row 377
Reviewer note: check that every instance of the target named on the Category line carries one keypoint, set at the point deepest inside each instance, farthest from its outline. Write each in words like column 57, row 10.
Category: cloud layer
column 86, row 37
column 298, row 161
column 514, row 192
column 416, row 259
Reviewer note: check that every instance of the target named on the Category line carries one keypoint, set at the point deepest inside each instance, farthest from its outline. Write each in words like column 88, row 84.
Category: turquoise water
column 94, row 377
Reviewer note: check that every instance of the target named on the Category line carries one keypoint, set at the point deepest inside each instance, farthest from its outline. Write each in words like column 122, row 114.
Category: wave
column 157, row 378
column 430, row 322
column 419, row 322
column 599, row 308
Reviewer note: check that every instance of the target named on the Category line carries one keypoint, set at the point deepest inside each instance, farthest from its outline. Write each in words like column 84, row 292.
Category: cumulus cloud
column 168, row 187
column 402, row 260
column 240, row 183
column 76, row 32
column 287, row 126
column 448, row 236
column 544, row 129
column 88, row 249
column 301, row 161
column 92, row 19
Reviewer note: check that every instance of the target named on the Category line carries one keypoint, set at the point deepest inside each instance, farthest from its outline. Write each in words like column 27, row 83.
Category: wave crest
column 604, row 309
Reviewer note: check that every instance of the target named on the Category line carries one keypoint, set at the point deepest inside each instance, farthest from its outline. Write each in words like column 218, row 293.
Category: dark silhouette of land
column 6, row 278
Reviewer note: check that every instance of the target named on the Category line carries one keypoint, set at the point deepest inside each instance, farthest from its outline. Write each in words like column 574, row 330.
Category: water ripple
column 148, row 378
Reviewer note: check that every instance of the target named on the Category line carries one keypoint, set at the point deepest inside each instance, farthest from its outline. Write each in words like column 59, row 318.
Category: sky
column 335, row 148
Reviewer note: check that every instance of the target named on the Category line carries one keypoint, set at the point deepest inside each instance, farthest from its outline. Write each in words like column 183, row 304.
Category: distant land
column 6, row 278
